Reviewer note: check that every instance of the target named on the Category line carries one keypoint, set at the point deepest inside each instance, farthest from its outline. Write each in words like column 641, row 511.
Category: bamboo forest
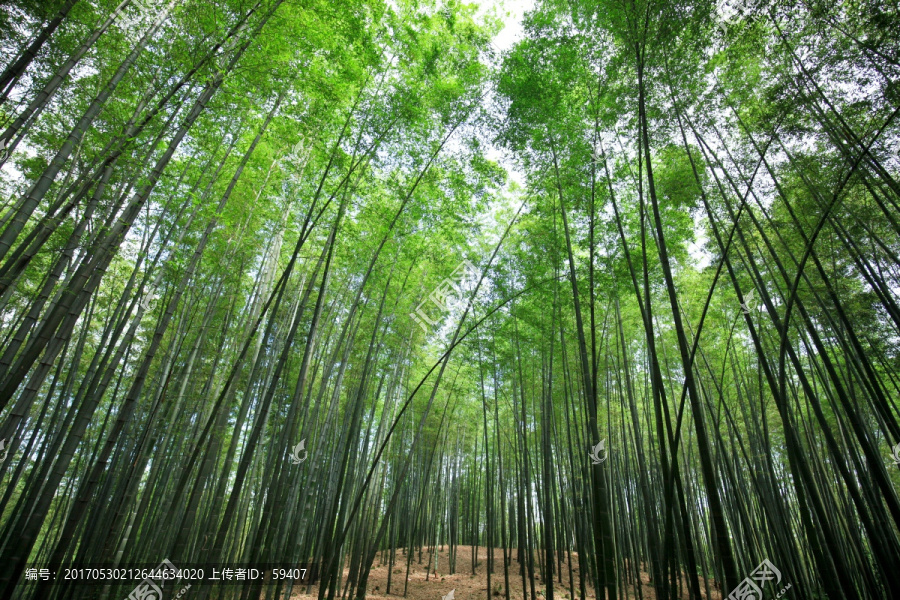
column 437, row 300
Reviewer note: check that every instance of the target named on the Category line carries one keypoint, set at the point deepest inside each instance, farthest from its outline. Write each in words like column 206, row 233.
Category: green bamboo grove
column 611, row 311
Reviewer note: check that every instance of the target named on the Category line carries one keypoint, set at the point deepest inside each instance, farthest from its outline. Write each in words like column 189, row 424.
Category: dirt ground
column 466, row 586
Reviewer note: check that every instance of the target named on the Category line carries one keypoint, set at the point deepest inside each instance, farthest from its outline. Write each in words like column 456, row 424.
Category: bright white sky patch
column 511, row 12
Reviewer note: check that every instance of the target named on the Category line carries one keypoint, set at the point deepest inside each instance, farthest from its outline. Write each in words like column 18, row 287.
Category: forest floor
column 467, row 586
